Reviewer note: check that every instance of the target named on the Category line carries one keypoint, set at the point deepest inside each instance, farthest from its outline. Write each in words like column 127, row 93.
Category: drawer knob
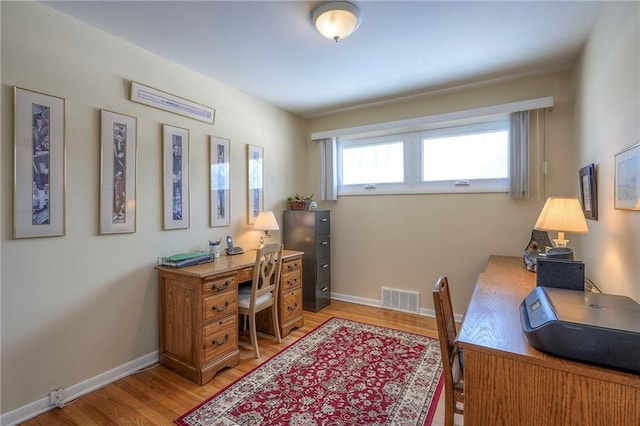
column 221, row 309
column 223, row 287
column 324, row 219
column 324, row 243
column 225, row 340
column 326, row 265
column 324, row 289
column 292, row 308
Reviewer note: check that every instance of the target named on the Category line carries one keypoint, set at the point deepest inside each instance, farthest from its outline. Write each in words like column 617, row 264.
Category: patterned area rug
column 342, row 373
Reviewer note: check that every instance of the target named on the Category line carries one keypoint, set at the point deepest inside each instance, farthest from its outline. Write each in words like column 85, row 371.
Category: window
column 462, row 157
column 379, row 162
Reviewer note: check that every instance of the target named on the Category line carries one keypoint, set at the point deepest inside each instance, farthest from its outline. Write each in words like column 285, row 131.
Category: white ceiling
column 271, row 50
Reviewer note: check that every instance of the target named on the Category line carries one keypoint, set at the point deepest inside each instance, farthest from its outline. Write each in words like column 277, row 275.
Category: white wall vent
column 401, row 300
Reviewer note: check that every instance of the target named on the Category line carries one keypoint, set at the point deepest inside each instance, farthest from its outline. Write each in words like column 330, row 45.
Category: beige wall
column 76, row 306
column 407, row 241
column 607, row 121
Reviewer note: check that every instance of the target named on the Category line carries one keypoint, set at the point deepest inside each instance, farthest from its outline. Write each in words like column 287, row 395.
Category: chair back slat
column 451, row 362
column 266, row 279
column 445, row 315
column 267, row 269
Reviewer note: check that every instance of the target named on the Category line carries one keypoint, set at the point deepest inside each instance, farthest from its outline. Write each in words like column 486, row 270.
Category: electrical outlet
column 56, row 397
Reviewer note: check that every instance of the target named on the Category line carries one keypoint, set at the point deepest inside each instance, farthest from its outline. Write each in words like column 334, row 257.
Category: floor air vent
column 401, row 300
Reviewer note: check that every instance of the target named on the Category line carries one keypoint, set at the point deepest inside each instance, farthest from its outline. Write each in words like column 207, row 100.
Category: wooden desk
column 198, row 316
column 508, row 382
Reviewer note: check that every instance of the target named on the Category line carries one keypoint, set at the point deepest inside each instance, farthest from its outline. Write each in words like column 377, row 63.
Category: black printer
column 602, row 329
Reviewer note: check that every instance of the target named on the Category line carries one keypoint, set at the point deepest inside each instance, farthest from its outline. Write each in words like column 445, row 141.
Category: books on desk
column 182, row 260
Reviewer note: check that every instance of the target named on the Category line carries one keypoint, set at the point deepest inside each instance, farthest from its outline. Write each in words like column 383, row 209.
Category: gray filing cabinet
column 310, row 232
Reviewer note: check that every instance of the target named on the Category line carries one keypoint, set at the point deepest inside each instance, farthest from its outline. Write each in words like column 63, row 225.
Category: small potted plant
column 299, row 202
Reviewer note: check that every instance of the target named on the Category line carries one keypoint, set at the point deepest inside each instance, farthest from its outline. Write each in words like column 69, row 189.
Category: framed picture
column 175, row 176
column 39, row 165
column 589, row 192
column 219, row 167
column 168, row 102
column 118, row 161
column 626, row 180
column 255, row 187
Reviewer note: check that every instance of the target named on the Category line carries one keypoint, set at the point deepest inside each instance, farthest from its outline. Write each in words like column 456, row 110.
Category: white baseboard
column 355, row 299
column 73, row 392
column 378, row 304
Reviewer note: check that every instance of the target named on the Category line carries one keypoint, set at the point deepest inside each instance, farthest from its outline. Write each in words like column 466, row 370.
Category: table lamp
column 266, row 221
column 562, row 215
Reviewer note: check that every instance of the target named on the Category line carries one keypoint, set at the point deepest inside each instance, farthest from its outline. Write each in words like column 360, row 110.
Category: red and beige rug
column 342, row 373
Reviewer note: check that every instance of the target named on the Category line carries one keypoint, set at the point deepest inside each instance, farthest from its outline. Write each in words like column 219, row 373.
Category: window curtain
column 519, row 154
column 327, row 169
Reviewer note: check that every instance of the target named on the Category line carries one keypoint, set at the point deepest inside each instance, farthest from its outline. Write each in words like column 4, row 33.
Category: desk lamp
column 266, row 221
column 562, row 215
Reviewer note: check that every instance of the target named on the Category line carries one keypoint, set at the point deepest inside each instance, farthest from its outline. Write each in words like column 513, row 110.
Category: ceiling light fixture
column 337, row 19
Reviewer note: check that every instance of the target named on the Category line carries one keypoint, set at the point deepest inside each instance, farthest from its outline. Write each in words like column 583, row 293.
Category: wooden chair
column 263, row 293
column 452, row 364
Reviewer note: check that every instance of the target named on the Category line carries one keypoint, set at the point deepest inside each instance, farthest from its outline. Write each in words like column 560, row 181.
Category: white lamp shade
column 266, row 221
column 336, row 20
column 563, row 215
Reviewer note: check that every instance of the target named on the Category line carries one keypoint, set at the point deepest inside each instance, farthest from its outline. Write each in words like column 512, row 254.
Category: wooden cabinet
column 198, row 312
column 290, row 293
column 509, row 382
column 310, row 232
column 198, row 323
column 289, row 300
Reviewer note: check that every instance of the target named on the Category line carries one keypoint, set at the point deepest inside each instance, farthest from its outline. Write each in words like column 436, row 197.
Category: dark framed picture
column 39, row 165
column 627, row 179
column 589, row 192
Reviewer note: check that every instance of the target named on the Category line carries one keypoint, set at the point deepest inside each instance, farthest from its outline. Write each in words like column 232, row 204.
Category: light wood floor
column 156, row 396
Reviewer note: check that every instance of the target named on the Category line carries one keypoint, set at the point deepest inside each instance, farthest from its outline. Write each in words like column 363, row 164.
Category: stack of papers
column 185, row 259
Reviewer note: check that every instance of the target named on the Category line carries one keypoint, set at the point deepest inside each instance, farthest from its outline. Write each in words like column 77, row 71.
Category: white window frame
column 387, row 188
column 412, row 139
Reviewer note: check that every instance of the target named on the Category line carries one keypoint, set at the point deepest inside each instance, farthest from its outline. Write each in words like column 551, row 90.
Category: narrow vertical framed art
column 175, row 176
column 589, row 192
column 39, row 165
column 118, row 164
column 255, row 184
column 219, row 180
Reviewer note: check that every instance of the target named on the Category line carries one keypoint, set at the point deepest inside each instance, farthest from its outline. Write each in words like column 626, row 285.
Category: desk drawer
column 220, row 338
column 217, row 285
column 291, row 265
column 290, row 281
column 245, row 275
column 220, row 305
column 291, row 305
